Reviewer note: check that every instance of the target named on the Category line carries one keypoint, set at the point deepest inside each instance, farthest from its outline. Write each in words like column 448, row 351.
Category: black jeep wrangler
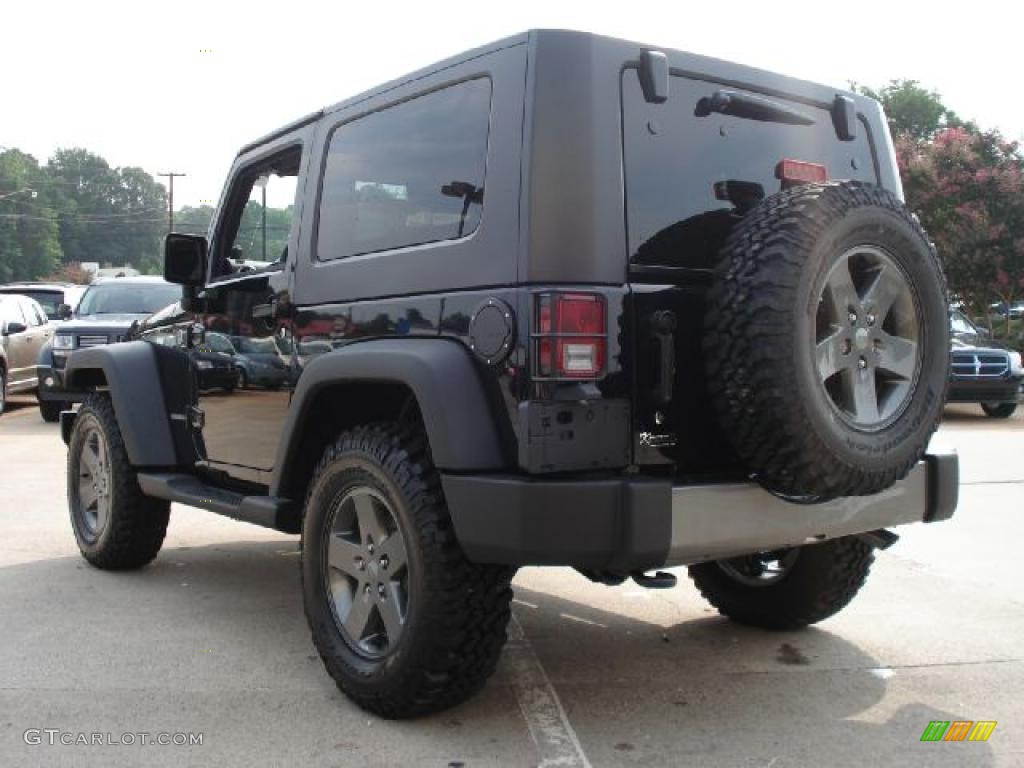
column 560, row 300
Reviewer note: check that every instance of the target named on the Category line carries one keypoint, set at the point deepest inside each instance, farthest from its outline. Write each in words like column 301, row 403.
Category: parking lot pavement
column 211, row 639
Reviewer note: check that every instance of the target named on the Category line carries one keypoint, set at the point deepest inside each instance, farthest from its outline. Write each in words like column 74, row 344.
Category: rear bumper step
column 625, row 525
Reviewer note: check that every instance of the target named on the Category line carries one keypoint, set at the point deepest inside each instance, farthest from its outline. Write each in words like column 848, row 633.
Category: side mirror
column 13, row 328
column 64, row 311
column 185, row 260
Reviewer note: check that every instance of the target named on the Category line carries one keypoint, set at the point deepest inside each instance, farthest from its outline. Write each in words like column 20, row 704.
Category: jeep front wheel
column 115, row 525
column 403, row 622
column 788, row 588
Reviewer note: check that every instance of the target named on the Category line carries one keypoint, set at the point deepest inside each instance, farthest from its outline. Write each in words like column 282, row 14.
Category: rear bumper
column 628, row 524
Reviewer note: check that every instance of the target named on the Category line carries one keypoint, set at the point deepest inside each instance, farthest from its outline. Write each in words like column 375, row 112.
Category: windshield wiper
column 749, row 107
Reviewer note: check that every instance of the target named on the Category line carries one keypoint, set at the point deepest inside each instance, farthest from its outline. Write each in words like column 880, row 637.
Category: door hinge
column 196, row 418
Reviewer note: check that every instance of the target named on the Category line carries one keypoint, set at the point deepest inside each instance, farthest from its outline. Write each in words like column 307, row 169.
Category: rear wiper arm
column 750, row 108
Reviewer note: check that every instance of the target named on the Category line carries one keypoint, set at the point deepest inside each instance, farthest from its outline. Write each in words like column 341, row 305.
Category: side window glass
column 9, row 313
column 409, row 174
column 255, row 230
column 40, row 315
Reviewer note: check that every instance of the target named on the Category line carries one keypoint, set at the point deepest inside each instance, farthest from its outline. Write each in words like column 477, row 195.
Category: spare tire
column 827, row 340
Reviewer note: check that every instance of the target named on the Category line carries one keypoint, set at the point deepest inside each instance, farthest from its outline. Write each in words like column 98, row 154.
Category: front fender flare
column 133, row 380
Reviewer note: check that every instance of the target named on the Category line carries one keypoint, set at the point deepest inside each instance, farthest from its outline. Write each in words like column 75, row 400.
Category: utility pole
column 170, row 198
column 262, row 182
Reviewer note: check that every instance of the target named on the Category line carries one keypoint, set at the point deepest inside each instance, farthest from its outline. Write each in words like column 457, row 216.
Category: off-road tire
column 999, row 410
column 457, row 611
column 760, row 331
column 824, row 578
column 50, row 410
column 136, row 524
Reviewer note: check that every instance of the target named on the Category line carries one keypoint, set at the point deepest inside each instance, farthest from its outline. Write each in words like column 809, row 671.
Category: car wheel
column 789, row 588
column 999, row 410
column 50, row 410
column 3, row 391
column 243, row 379
column 827, row 340
column 403, row 622
column 115, row 525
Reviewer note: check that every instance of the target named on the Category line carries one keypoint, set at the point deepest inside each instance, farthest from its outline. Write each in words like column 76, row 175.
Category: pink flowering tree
column 967, row 186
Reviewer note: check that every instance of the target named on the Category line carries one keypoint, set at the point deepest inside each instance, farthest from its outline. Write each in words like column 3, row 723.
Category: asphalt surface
column 211, row 640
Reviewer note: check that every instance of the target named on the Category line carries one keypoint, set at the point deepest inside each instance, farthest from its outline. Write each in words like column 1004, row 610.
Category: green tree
column 968, row 188
column 913, row 111
column 193, row 220
column 108, row 215
column 29, row 242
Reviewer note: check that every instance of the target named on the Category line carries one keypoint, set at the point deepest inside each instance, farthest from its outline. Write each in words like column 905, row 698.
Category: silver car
column 24, row 328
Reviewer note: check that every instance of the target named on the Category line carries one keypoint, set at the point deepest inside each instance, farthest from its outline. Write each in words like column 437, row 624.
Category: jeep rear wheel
column 789, row 588
column 115, row 525
column 403, row 622
column 827, row 340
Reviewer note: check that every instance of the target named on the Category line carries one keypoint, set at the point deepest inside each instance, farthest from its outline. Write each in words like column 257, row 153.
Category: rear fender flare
column 456, row 413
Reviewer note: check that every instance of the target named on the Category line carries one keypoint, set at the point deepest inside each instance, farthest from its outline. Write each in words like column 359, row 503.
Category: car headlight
column 1015, row 363
column 204, row 365
column 63, row 341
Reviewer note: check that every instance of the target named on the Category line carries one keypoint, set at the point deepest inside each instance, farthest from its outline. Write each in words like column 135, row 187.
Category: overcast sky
column 180, row 86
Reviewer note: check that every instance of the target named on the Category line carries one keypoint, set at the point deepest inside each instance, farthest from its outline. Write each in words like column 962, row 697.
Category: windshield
column 958, row 323
column 127, row 298
column 248, row 346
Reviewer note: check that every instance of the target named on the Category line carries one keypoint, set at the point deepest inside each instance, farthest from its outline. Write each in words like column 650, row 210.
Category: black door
column 246, row 309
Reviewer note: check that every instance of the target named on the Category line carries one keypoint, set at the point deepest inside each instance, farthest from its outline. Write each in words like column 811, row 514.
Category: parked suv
column 576, row 301
column 984, row 371
column 103, row 315
column 23, row 331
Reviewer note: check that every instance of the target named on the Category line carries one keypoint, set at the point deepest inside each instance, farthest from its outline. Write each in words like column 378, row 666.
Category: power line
column 60, row 212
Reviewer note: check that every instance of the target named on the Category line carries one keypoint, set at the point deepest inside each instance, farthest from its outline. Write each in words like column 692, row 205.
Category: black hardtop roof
column 680, row 62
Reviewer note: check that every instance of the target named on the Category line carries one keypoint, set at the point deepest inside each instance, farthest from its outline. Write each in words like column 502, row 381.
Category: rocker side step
column 266, row 511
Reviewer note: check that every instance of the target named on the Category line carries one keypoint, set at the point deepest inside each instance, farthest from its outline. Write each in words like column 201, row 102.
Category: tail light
column 570, row 339
column 793, row 172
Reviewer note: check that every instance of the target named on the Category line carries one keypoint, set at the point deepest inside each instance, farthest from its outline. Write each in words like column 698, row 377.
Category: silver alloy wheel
column 366, row 572
column 867, row 344
column 762, row 569
column 94, row 484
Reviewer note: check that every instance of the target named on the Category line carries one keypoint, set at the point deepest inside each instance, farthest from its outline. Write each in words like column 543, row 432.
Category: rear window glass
column 674, row 160
column 409, row 174
column 48, row 300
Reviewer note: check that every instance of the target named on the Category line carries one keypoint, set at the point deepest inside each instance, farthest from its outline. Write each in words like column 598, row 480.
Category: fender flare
column 133, row 380
column 459, row 420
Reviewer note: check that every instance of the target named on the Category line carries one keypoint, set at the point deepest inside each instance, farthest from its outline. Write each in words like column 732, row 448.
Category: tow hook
column 660, row 580
column 880, row 539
